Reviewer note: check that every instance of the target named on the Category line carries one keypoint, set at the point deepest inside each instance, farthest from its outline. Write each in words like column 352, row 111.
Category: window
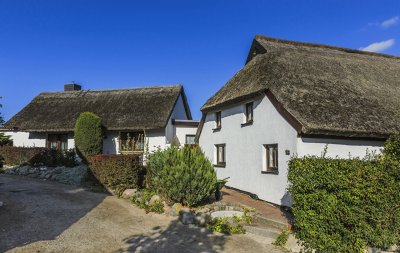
column 249, row 112
column 220, row 149
column 131, row 142
column 57, row 141
column 271, row 158
column 218, row 120
column 190, row 139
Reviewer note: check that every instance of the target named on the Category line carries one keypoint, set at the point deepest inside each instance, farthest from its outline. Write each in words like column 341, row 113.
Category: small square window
column 218, row 120
column 249, row 112
column 190, row 139
column 271, row 158
column 220, row 156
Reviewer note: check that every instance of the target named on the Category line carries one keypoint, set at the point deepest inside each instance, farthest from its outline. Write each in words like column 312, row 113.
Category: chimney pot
column 72, row 87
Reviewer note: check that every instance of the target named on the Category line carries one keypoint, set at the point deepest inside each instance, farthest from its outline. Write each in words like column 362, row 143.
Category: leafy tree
column 88, row 135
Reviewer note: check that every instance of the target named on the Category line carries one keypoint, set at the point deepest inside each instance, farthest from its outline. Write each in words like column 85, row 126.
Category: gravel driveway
column 43, row 216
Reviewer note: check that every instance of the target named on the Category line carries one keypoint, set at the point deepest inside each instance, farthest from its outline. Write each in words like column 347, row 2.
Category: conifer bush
column 88, row 135
column 182, row 175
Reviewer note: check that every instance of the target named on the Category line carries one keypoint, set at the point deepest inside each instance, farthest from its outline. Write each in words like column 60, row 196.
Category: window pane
column 64, row 142
column 220, row 154
column 218, row 119
column 190, row 139
column 249, row 112
column 271, row 157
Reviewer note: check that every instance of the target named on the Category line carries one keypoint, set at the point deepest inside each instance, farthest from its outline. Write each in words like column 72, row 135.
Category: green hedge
column 181, row 175
column 88, row 135
column 18, row 155
column 54, row 158
column 117, row 172
column 345, row 205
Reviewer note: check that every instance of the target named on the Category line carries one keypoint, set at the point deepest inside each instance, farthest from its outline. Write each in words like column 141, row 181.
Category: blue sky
column 200, row 44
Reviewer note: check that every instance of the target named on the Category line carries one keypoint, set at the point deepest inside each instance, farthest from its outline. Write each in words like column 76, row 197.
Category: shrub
column 142, row 200
column 5, row 140
column 392, row 147
column 18, row 155
column 117, row 172
column 54, row 158
column 156, row 207
column 88, row 135
column 182, row 175
column 282, row 239
column 224, row 225
column 345, row 205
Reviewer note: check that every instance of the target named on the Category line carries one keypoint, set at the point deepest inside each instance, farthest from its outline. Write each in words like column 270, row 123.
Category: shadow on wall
column 175, row 238
column 286, row 200
column 286, row 203
column 36, row 210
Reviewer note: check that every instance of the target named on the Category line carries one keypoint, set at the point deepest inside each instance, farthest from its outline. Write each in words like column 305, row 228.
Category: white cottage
column 294, row 99
column 131, row 118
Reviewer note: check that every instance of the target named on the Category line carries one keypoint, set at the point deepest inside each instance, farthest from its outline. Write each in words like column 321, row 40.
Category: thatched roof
column 327, row 90
column 124, row 109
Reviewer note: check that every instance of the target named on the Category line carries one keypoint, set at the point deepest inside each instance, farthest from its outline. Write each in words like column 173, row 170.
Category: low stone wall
column 75, row 175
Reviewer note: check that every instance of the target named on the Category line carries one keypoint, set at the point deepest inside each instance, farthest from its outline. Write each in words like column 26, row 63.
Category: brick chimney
column 72, row 87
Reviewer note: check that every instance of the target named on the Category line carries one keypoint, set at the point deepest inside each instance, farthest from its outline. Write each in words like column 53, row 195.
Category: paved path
column 265, row 209
column 43, row 216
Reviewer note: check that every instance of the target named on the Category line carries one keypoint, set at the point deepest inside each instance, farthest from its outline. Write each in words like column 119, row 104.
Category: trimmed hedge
column 54, row 158
column 88, row 135
column 345, row 205
column 18, row 155
column 117, row 172
column 182, row 175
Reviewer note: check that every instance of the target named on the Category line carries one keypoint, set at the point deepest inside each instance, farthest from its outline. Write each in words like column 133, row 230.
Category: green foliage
column 245, row 218
column 345, row 205
column 392, row 147
column 18, row 155
column 5, row 140
column 142, row 200
column 54, row 158
column 223, row 225
column 282, row 239
column 88, row 135
column 156, row 207
column 117, row 172
column 181, row 175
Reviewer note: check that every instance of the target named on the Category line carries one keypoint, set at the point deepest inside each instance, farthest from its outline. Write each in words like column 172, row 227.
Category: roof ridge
column 123, row 89
column 317, row 45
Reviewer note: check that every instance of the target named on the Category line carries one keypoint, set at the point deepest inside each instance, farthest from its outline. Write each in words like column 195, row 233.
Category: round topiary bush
column 182, row 175
column 88, row 135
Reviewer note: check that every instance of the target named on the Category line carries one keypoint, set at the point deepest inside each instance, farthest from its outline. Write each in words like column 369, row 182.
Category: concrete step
column 261, row 220
column 265, row 231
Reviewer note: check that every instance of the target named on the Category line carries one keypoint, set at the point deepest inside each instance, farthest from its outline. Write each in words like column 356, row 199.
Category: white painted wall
column 26, row 139
column 182, row 131
column 179, row 112
column 340, row 148
column 245, row 150
column 156, row 139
